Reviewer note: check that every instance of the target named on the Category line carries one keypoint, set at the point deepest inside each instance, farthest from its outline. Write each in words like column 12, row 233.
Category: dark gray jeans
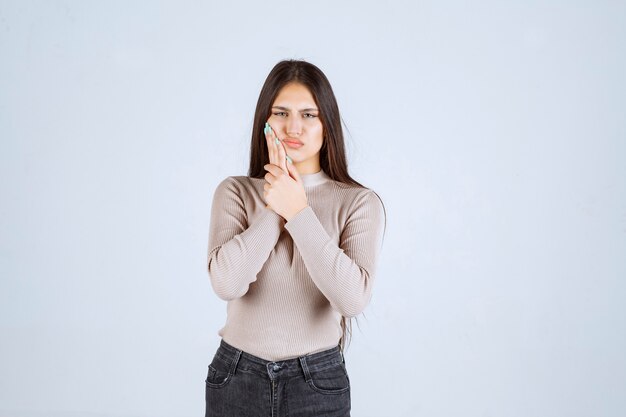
column 239, row 384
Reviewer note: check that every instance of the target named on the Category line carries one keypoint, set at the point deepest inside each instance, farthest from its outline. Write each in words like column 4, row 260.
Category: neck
column 307, row 167
column 314, row 178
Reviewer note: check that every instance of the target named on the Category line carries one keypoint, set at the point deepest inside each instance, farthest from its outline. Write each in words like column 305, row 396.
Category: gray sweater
column 288, row 283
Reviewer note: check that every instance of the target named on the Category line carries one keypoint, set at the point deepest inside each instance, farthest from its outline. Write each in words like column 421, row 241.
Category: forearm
column 234, row 264
column 346, row 283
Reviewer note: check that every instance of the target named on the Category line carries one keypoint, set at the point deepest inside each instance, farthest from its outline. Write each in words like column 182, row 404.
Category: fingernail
column 277, row 142
column 289, row 159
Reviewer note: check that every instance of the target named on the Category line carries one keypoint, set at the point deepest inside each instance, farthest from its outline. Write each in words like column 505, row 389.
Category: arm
column 344, row 273
column 237, row 251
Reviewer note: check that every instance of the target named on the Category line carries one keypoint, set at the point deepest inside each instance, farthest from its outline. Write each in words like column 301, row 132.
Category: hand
column 276, row 149
column 284, row 194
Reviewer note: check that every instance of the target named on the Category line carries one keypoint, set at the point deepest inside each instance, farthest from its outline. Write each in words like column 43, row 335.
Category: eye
column 309, row 114
column 279, row 113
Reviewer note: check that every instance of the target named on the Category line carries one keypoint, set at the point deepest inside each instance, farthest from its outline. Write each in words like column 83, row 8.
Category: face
column 295, row 117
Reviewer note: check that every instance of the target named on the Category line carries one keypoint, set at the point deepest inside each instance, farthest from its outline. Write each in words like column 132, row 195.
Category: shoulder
column 236, row 186
column 229, row 183
column 367, row 212
column 356, row 198
column 238, row 182
column 367, row 199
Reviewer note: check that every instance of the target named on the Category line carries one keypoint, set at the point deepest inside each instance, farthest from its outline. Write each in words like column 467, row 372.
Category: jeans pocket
column 331, row 380
column 219, row 374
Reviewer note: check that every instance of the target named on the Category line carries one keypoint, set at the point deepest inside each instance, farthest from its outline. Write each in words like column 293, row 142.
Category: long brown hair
column 332, row 153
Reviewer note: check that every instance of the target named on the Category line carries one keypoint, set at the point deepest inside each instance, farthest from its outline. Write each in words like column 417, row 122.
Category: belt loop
column 235, row 361
column 305, row 368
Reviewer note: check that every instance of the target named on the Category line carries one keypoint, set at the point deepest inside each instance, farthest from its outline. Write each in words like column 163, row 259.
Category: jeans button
column 276, row 368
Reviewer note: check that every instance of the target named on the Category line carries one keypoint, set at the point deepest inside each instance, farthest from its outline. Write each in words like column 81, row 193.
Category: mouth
column 293, row 143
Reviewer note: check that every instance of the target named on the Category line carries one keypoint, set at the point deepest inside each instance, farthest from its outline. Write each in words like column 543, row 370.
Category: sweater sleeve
column 344, row 273
column 237, row 251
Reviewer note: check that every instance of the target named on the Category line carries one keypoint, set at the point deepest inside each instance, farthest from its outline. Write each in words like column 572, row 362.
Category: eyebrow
column 285, row 108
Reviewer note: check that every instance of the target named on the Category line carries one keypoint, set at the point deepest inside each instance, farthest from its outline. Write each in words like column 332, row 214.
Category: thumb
column 294, row 172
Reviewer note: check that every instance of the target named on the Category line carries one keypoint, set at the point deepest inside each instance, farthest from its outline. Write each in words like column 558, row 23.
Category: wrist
column 292, row 215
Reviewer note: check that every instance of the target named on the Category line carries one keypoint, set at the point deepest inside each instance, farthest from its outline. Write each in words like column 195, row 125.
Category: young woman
column 293, row 248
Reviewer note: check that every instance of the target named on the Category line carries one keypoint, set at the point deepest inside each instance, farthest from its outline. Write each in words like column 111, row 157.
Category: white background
column 495, row 132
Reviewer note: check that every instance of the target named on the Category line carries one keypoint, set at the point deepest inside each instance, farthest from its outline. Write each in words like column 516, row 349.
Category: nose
column 294, row 126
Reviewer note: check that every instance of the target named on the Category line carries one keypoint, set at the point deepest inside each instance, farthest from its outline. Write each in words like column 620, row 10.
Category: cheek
column 316, row 128
column 275, row 121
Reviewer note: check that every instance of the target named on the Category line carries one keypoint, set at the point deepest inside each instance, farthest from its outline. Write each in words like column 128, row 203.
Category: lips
column 292, row 141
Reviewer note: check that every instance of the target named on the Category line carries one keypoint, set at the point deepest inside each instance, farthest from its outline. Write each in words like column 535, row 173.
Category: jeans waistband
column 243, row 361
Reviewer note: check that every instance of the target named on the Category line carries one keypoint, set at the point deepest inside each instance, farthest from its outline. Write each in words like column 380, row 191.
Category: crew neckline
column 316, row 178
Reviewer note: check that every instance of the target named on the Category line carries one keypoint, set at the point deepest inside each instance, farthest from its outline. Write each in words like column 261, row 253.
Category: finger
column 271, row 147
column 274, row 171
column 293, row 171
column 280, row 155
column 270, row 175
